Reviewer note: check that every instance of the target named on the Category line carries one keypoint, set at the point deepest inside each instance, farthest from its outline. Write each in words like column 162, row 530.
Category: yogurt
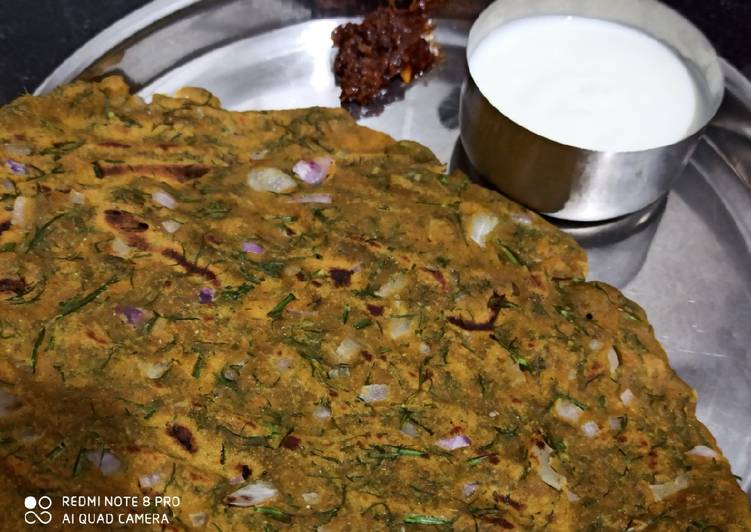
column 587, row 83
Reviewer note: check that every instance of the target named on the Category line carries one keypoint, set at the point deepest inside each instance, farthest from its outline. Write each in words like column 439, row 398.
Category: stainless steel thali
column 686, row 260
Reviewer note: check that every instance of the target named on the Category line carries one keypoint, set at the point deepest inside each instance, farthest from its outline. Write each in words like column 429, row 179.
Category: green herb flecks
column 35, row 348
column 216, row 210
column 345, row 314
column 276, row 312
column 387, row 452
column 58, row 149
column 126, row 120
column 368, row 292
column 272, row 268
column 69, row 306
column 150, row 409
column 129, row 195
column 481, row 458
column 418, row 519
column 235, row 293
column 508, row 254
column 174, row 317
column 511, row 347
column 197, row 366
column 42, row 230
column 275, row 513
column 407, row 415
column 327, row 515
column 56, row 451
column 248, row 441
column 362, row 324
column 484, row 383
column 98, row 171
column 106, row 362
column 566, row 313
column 573, row 400
column 79, row 463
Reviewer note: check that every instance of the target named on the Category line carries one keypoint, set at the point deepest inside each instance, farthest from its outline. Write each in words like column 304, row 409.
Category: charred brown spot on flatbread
column 183, row 436
column 179, row 172
column 125, row 221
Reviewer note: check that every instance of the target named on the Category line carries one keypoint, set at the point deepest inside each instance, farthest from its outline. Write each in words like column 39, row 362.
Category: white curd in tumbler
column 587, row 83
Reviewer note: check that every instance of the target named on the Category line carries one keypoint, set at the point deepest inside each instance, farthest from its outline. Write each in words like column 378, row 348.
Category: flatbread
column 389, row 348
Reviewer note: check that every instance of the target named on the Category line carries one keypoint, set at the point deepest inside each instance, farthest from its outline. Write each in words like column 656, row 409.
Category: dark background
column 37, row 35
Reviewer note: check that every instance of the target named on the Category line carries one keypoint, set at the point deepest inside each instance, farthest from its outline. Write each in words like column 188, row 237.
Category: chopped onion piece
column 314, row 171
column 347, row 350
column 303, row 313
column 409, row 429
column 567, row 410
column 522, row 219
column 321, row 412
column 252, row 247
column 703, row 451
column 16, row 167
column 311, row 497
column 339, row 372
column 149, row 481
column 469, row 489
column 230, row 373
column 372, row 393
column 76, row 198
column 590, row 429
column 107, row 462
column 8, row 185
column 595, row 344
column 661, row 491
column 198, row 519
column 110, row 464
column 571, row 496
column 613, row 360
column 399, row 327
column 480, row 225
column 21, row 210
column 29, row 435
column 458, row 441
column 171, row 226
column 627, row 397
column 271, row 180
column 135, row 316
column 118, row 248
column 206, row 295
column 615, row 423
column 157, row 370
column 164, row 199
column 251, row 495
column 283, row 364
column 393, row 286
column 311, row 198
column 423, row 348
column 547, row 474
column 17, row 149
column 8, row 403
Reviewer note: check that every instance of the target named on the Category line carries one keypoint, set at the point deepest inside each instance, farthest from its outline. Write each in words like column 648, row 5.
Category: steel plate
column 687, row 260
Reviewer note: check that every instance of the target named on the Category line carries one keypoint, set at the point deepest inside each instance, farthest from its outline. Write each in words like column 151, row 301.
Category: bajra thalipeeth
column 293, row 322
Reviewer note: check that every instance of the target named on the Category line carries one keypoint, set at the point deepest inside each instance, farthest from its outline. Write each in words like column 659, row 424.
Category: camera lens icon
column 31, row 503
